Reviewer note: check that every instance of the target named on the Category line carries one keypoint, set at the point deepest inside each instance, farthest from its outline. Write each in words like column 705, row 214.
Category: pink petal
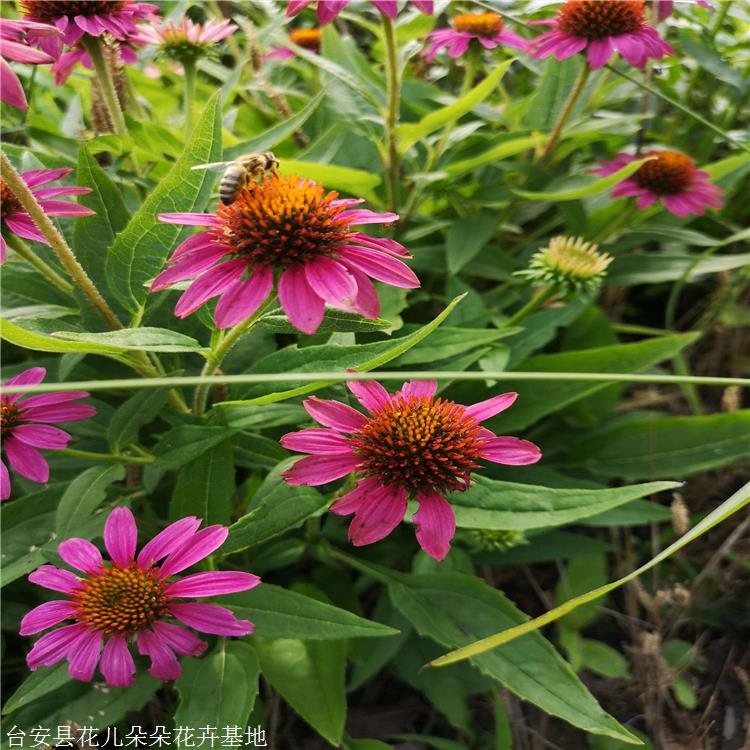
column 191, row 219
column 213, row 583
column 51, row 192
column 357, row 216
column 382, row 267
column 53, row 647
column 49, row 399
column 370, row 394
column 207, row 240
column 11, row 90
column 419, row 389
column 318, row 441
column 366, row 302
column 188, row 266
column 164, row 664
column 83, row 655
column 334, row 414
column 511, row 451
column 296, row 6
column 316, row 470
column 46, row 615
column 210, row 284
column 90, row 24
column 351, row 502
column 328, row 10
column 41, row 436
column 385, row 244
column 33, row 376
column 35, row 177
column 57, row 412
column 117, row 663
column 27, row 461
column 435, row 524
column 387, row 7
column 378, row 514
column 24, row 54
column 64, row 208
column 200, row 545
column 55, row 579
column 121, row 536
column 599, row 52
column 168, row 540
column 181, row 641
column 211, row 618
column 81, row 554
column 331, row 281
column 243, row 298
column 426, row 6
column 486, row 409
column 303, row 307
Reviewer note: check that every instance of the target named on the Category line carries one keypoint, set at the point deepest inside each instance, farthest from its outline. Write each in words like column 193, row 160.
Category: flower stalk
column 103, row 72
column 393, row 164
column 24, row 251
column 565, row 113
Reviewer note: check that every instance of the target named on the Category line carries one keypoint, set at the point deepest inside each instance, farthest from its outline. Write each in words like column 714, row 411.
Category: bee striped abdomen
column 231, row 183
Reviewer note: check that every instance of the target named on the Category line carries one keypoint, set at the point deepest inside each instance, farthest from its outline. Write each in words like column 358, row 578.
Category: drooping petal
column 313, row 471
column 22, row 225
column 181, row 641
column 168, row 540
column 27, row 461
column 369, row 393
column 511, row 451
column 200, row 545
column 211, row 618
column 83, row 655
column 121, row 536
column 377, row 516
column 485, row 409
column 117, row 663
column 331, row 281
column 334, row 414
column 315, row 440
column 58, row 413
column 327, row 10
column 208, row 285
column 164, row 664
column 213, row 583
column 11, row 90
column 366, row 302
column 188, row 266
column 350, row 503
column 55, row 579
column 435, row 524
column 190, row 219
column 51, row 399
column 32, row 376
column 53, row 647
column 244, row 297
column 46, row 615
column 81, row 554
column 379, row 266
column 303, row 307
column 64, row 208
column 41, row 436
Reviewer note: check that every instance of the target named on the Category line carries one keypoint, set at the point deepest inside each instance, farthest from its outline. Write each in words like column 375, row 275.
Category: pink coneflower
column 664, row 8
column 25, row 424
column 132, row 598
column 125, row 51
column 187, row 40
column 14, row 45
column 13, row 216
column 671, row 177
column 308, row 39
column 74, row 18
column 292, row 229
column 601, row 27
column 327, row 10
column 410, row 444
column 485, row 28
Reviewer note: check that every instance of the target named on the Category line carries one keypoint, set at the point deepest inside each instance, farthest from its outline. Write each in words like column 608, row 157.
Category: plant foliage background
column 629, row 465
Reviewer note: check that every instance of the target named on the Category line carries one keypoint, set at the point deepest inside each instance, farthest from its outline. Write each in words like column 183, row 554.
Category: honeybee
column 240, row 171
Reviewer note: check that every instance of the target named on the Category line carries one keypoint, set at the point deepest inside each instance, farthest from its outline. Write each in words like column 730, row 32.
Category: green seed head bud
column 492, row 540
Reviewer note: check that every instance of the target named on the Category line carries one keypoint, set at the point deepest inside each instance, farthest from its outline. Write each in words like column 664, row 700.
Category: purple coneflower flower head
column 291, row 229
column 26, row 424
column 485, row 28
column 308, row 39
column 671, row 177
column 14, row 218
column 74, row 18
column 327, row 10
column 601, row 28
column 187, row 41
column 14, row 45
column 133, row 599
column 409, row 444
column 664, row 8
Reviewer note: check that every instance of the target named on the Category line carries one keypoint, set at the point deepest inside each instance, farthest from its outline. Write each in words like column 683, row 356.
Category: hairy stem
column 566, row 111
column 103, row 73
column 24, row 251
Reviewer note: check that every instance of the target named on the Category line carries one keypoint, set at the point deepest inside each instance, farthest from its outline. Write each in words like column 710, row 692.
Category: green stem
column 133, row 100
column 24, row 251
column 113, row 457
column 531, row 306
column 720, row 18
column 392, row 113
column 57, row 242
column 216, row 357
column 103, row 72
column 189, row 75
column 566, row 111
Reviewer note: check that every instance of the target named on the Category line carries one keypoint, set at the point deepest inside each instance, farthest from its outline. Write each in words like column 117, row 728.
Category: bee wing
column 212, row 165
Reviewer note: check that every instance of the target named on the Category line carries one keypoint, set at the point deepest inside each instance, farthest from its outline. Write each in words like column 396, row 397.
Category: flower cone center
column 121, row 600
column 480, row 24
column 9, row 204
column 420, row 444
column 307, row 38
column 8, row 417
column 597, row 19
column 46, row 11
column 283, row 221
column 671, row 172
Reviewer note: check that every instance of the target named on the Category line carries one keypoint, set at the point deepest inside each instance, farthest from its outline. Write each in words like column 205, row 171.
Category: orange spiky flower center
column 9, row 204
column 121, row 600
column 8, row 416
column 283, row 221
column 597, row 19
column 420, row 443
column 671, row 172
column 307, row 38
column 485, row 25
column 47, row 11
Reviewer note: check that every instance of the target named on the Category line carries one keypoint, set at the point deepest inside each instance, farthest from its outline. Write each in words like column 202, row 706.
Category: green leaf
column 94, row 235
column 581, row 574
column 494, row 154
column 293, row 359
column 350, row 744
column 38, row 342
column 139, row 410
column 535, row 402
column 634, row 513
column 140, row 250
column 491, row 504
column 83, row 496
column 647, row 268
column 449, row 342
column 36, row 685
column 277, row 133
column 657, row 446
column 590, row 188
column 334, row 321
column 410, row 133
column 734, row 504
column 310, row 678
column 275, row 509
column 218, row 690
column 332, row 176
column 136, row 339
column 454, row 609
column 185, row 443
column 604, row 660
column 205, row 486
column 551, row 92
column 465, row 240
column 280, row 613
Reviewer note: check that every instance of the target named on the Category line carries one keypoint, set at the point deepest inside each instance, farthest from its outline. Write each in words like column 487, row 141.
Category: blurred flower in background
column 327, row 10
column 186, row 41
column 308, row 39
